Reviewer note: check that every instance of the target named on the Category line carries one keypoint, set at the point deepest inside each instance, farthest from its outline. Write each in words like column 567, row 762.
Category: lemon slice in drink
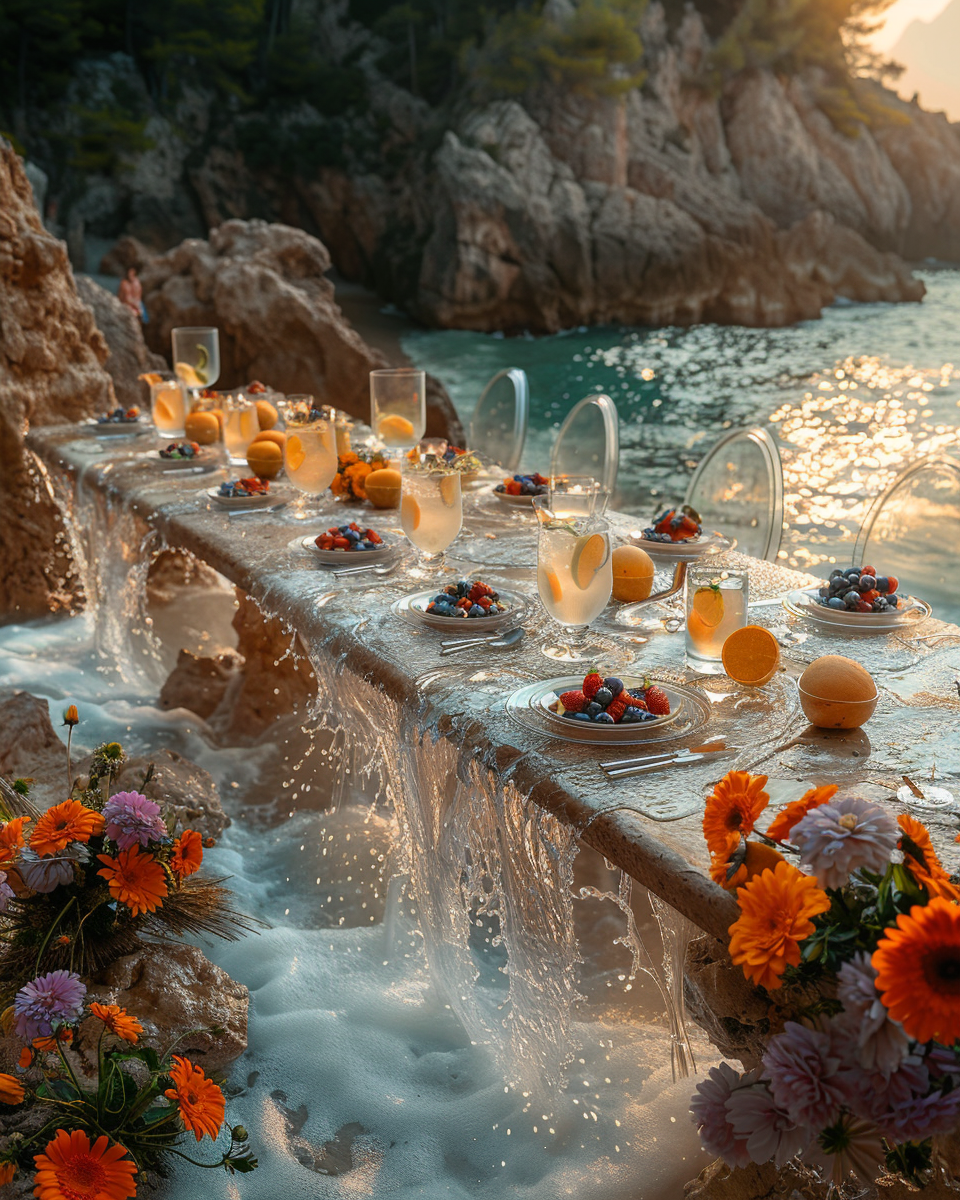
column 448, row 490
column 410, row 512
column 395, row 430
column 708, row 605
column 589, row 555
column 190, row 377
column 296, row 455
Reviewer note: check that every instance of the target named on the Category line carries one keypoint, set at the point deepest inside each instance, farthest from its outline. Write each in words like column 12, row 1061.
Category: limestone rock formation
column 199, row 682
column 129, row 356
column 30, row 747
column 265, row 288
column 51, row 369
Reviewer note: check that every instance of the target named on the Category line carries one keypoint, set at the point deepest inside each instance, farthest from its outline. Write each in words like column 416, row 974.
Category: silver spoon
column 510, row 638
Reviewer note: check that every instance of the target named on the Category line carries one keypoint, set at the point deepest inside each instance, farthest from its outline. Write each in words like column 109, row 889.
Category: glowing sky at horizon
column 899, row 16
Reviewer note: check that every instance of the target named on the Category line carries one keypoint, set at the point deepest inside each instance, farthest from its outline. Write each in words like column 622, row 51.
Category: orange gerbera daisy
column 7, row 1172
column 756, row 857
column 920, row 859
column 117, row 1021
column 64, row 823
column 11, row 1090
column 918, row 971
column 775, row 912
column 26, row 1058
column 737, row 800
column 71, row 1169
column 199, row 1099
column 794, row 813
column 45, row 1044
column 135, row 879
column 11, row 839
column 187, row 854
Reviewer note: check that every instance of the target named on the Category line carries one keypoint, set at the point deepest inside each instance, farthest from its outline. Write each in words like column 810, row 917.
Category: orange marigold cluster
column 135, row 879
column 920, row 859
column 732, row 810
column 186, row 856
column 793, row 814
column 776, row 908
column 11, row 839
column 198, row 1098
column 351, row 476
column 918, row 971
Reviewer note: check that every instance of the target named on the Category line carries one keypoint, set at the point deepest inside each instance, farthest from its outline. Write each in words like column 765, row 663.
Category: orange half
column 410, row 512
column 395, row 428
column 751, row 655
column 589, row 555
column 296, row 455
column 448, row 490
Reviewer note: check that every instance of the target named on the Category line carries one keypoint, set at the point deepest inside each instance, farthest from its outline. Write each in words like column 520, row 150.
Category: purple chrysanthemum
column 944, row 1060
column 133, row 820
column 804, row 1067
column 768, row 1131
column 708, row 1109
column 45, row 873
column 922, row 1118
column 880, row 1044
column 47, row 1002
column 873, row 1096
column 844, row 836
column 6, row 892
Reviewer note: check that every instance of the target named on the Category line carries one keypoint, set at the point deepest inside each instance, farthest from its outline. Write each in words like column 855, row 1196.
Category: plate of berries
column 118, row 420
column 519, row 491
column 677, row 534
column 353, row 539
column 243, row 493
column 857, row 598
column 183, row 454
column 608, row 703
column 465, row 606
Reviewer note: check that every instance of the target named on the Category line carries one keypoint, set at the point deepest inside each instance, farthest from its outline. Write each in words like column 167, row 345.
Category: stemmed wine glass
column 574, row 577
column 310, row 452
column 196, row 356
column 431, row 509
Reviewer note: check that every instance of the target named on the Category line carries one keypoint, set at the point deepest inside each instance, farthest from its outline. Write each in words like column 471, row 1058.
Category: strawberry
column 657, row 701
column 868, row 571
column 539, row 480
column 465, row 604
column 574, row 701
column 371, row 535
column 618, row 706
column 485, row 602
column 633, row 701
column 592, row 683
column 870, row 596
column 341, row 543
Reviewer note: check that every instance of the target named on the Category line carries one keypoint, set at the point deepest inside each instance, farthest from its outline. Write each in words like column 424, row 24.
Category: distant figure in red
column 130, row 293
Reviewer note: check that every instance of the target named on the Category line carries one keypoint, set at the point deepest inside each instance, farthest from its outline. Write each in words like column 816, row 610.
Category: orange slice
column 553, row 584
column 296, row 455
column 163, row 411
column 589, row 555
column 395, row 429
column 151, row 377
column 751, row 655
column 448, row 490
column 410, row 512
column 708, row 605
column 190, row 376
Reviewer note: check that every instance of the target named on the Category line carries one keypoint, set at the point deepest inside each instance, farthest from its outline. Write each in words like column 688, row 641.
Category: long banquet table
column 647, row 825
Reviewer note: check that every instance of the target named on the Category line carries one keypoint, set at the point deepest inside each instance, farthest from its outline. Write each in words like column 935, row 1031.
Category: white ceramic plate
column 261, row 501
column 548, row 701
column 802, row 603
column 413, row 608
column 707, row 544
column 352, row 558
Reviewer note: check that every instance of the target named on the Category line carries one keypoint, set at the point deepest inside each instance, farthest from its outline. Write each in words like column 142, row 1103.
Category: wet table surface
column 649, row 824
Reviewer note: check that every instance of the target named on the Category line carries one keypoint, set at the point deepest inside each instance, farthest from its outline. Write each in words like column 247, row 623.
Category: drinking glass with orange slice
column 167, row 403
column 716, row 606
column 574, row 577
column 398, row 406
column 431, row 509
column 310, row 451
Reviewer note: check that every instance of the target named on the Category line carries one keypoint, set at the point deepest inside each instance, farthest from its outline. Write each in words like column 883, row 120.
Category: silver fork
column 381, row 568
column 509, row 638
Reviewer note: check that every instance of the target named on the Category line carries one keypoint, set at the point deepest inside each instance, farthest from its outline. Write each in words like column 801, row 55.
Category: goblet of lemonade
column 398, row 406
column 431, row 511
column 310, row 452
column 716, row 605
column 240, row 426
column 167, row 406
column 574, row 577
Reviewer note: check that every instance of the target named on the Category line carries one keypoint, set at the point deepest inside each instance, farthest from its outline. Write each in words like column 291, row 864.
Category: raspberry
column 868, row 571
column 465, row 604
column 618, row 706
column 479, row 590
column 893, row 583
column 485, row 602
column 592, row 683
column 341, row 543
column 573, row 701
column 657, row 701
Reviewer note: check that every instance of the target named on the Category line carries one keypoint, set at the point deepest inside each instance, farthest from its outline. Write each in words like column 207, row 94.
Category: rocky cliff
column 675, row 202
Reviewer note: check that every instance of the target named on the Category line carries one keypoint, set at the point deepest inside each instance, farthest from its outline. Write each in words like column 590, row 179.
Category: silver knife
column 680, row 760
column 246, row 512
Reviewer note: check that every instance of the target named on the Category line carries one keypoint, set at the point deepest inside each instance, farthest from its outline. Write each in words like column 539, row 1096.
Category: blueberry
column 604, row 719
column 613, row 685
column 893, row 601
column 475, row 611
column 850, row 572
column 883, row 583
column 632, row 716
column 835, row 602
column 579, row 716
column 824, row 592
column 441, row 599
column 879, row 605
column 499, row 488
column 593, row 709
column 851, row 599
column 867, row 583
column 603, row 696
column 361, row 545
column 836, row 573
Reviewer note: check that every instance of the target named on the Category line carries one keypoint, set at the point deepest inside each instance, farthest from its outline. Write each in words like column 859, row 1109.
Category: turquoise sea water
column 851, row 398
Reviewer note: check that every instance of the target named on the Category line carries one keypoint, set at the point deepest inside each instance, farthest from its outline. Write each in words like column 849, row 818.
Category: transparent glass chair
column 738, row 490
column 498, row 427
column 589, row 442
column 913, row 531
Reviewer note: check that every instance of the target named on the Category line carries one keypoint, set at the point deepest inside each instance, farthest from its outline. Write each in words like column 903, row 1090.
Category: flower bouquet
column 352, row 471
column 863, row 1071
column 96, row 1139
